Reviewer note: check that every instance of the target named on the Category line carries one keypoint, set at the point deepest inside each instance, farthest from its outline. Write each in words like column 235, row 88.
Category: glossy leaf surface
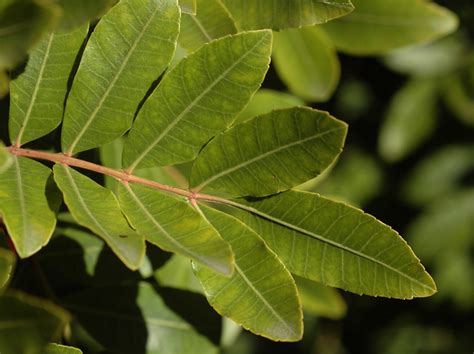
column 338, row 245
column 174, row 225
column 306, row 60
column 261, row 295
column 37, row 95
column 211, row 21
column 137, row 320
column 376, row 27
column 279, row 14
column 258, row 157
column 96, row 208
column 129, row 48
column 28, row 323
column 197, row 99
column 28, row 204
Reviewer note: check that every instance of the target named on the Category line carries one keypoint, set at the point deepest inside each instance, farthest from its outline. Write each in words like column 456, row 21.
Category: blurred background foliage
column 407, row 93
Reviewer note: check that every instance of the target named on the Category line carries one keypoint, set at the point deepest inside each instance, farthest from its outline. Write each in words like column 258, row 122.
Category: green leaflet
column 78, row 12
column 27, row 323
column 306, row 60
column 37, row 95
column 211, row 21
column 136, row 321
column 376, row 27
column 96, row 208
column 22, row 24
column 28, row 204
column 280, row 14
column 265, row 101
column 270, row 153
column 337, row 245
column 130, row 47
column 188, row 6
column 7, row 264
column 61, row 349
column 320, row 300
column 174, row 225
column 197, row 99
column 6, row 159
column 410, row 120
column 178, row 273
column 261, row 295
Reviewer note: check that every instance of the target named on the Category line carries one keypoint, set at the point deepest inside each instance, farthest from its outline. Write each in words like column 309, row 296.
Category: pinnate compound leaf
column 37, row 95
column 197, row 99
column 27, row 323
column 410, row 120
column 175, row 226
column 266, row 100
column 270, row 153
column 28, row 204
column 211, row 21
column 377, row 27
column 261, row 295
column 96, row 208
column 337, row 245
column 136, row 321
column 320, row 300
column 54, row 348
column 306, row 60
column 7, row 264
column 22, row 24
column 130, row 47
column 280, row 14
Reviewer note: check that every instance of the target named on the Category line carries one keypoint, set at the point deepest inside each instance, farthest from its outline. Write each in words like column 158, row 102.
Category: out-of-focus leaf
column 37, row 95
column 458, row 93
column 54, row 348
column 353, row 99
column 320, row 300
column 442, row 236
column 96, row 208
column 211, row 21
column 337, row 245
column 27, row 323
column 197, row 99
column 429, row 59
column 136, row 321
column 377, row 27
column 7, row 264
column 266, row 100
column 257, row 157
column 174, row 225
column 188, row 6
column 78, row 12
column 280, row 14
column 230, row 332
column 4, row 83
column 410, row 120
column 22, row 24
column 261, row 295
column 439, row 174
column 6, row 159
column 356, row 179
column 177, row 273
column 306, row 60
column 28, row 204
column 129, row 48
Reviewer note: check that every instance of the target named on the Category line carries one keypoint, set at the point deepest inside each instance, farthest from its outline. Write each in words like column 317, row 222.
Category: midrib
column 114, row 80
column 189, row 107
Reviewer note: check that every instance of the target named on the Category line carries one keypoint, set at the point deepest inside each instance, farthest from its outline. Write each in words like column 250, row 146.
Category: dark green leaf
column 96, row 208
column 129, row 48
column 197, row 99
column 37, row 95
column 258, row 157
column 7, row 264
column 261, row 295
column 337, row 245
